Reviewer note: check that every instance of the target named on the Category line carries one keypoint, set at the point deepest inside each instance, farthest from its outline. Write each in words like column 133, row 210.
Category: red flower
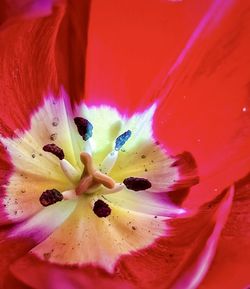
column 188, row 57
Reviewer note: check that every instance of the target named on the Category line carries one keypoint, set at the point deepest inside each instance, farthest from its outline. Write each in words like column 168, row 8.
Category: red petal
column 163, row 264
column 205, row 108
column 27, row 67
column 230, row 268
column 188, row 176
column 10, row 250
column 5, row 171
column 130, row 42
column 38, row 55
column 26, row 8
column 11, row 282
column 176, row 259
column 71, row 48
column 43, row 275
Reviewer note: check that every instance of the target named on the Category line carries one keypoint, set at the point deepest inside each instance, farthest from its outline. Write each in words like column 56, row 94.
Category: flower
column 175, row 249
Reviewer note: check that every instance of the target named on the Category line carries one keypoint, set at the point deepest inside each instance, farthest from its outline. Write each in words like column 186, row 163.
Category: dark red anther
column 137, row 184
column 55, row 150
column 84, row 127
column 50, row 197
column 101, row 209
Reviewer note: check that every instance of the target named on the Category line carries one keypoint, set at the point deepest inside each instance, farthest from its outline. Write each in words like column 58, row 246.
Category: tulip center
column 89, row 190
column 91, row 180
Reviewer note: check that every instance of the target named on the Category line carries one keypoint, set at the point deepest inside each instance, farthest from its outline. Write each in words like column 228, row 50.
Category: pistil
column 92, row 178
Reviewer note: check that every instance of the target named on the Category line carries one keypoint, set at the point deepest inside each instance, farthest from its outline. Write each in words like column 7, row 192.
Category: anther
column 122, row 139
column 55, row 150
column 84, row 127
column 50, row 197
column 101, row 209
column 137, row 184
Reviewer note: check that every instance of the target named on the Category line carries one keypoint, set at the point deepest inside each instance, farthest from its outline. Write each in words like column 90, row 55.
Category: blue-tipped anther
column 84, row 127
column 121, row 140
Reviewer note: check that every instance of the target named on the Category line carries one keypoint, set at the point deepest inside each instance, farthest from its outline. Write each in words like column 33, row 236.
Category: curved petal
column 128, row 44
column 233, row 254
column 26, row 8
column 16, row 241
column 84, row 238
column 10, row 250
column 191, row 243
column 35, row 170
column 205, row 103
column 152, row 204
column 49, row 276
column 39, row 54
column 202, row 86
column 27, row 71
column 70, row 48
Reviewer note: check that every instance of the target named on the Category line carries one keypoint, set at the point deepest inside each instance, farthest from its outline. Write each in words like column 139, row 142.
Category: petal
column 5, row 171
column 28, row 71
column 70, row 48
column 44, row 275
column 145, row 202
column 34, row 170
column 232, row 257
column 17, row 240
column 11, row 282
column 150, row 161
column 27, row 8
column 87, row 239
column 195, row 271
column 10, row 250
column 191, row 243
column 42, row 224
column 129, row 43
column 205, row 103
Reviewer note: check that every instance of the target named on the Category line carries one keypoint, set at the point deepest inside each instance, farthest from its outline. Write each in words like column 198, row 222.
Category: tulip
column 124, row 144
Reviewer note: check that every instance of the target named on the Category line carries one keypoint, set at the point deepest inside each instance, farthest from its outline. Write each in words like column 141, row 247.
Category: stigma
column 92, row 178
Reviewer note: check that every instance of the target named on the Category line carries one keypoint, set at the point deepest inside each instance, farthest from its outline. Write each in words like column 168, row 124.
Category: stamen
column 101, row 209
column 69, row 195
column 50, row 197
column 117, row 188
column 137, row 184
column 55, row 150
column 122, row 139
column 84, row 127
column 69, row 171
column 109, row 162
column 89, row 146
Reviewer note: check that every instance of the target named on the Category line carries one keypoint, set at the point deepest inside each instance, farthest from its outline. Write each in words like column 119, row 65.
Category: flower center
column 92, row 179
column 103, row 183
